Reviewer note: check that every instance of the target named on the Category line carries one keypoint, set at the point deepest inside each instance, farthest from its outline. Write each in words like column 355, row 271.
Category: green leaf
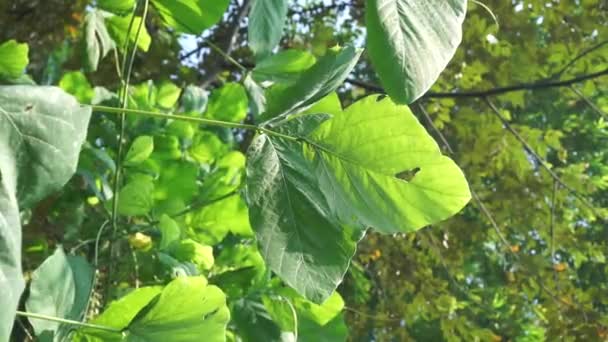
column 60, row 288
column 191, row 16
column 120, row 313
column 169, row 230
column 41, row 132
column 140, row 150
column 257, row 98
column 135, row 198
column 399, row 186
column 284, row 67
column 118, row 27
column 116, row 6
column 98, row 40
column 314, row 84
column 298, row 238
column 228, row 103
column 76, row 83
column 212, row 223
column 321, row 314
column 315, row 322
column 190, row 250
column 410, row 42
column 266, row 22
column 194, row 100
column 168, row 94
column 334, row 331
column 253, row 323
column 186, row 310
column 13, row 59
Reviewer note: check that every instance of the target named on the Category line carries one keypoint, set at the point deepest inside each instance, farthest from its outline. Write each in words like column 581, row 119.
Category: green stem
column 227, row 56
column 68, row 321
column 209, row 122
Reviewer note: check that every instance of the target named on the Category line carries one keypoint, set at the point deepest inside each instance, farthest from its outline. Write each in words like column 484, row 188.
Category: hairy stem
column 67, row 321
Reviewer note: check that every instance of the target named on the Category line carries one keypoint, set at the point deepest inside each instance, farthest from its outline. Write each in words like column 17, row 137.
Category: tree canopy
column 272, row 170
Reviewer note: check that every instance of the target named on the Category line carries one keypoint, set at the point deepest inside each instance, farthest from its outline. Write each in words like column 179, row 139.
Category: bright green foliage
column 98, row 42
column 187, row 309
column 314, row 322
column 280, row 230
column 266, row 22
column 140, row 150
column 298, row 238
column 213, row 222
column 283, row 67
column 41, row 131
column 116, row 6
column 60, row 287
column 410, row 42
column 13, row 59
column 340, row 177
column 136, row 197
column 402, row 186
column 228, row 103
column 118, row 28
column 170, row 232
column 76, row 83
column 190, row 16
column 120, row 313
column 314, row 84
column 168, row 94
column 192, row 251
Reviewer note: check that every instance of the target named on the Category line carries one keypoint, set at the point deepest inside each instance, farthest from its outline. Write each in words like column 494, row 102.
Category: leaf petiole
column 68, row 321
column 210, row 122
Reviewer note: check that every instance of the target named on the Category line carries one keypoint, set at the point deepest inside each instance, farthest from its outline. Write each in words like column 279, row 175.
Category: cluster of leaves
column 273, row 230
column 525, row 261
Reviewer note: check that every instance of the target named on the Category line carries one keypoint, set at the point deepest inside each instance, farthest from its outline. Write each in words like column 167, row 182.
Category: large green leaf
column 378, row 167
column 266, row 22
column 228, row 103
column 41, row 133
column 97, row 39
column 119, row 314
column 187, row 310
column 314, row 84
column 13, row 59
column 410, row 42
column 297, row 236
column 284, row 67
column 135, row 198
column 191, row 16
column 60, row 288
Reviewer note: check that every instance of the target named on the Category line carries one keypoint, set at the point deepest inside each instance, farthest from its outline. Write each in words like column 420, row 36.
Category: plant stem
column 217, row 123
column 227, row 56
column 68, row 321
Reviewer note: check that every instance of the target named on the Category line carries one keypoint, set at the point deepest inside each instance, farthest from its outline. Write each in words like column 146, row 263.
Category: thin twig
column 589, row 102
column 578, row 57
column 539, row 159
column 552, row 232
column 541, row 84
column 372, row 317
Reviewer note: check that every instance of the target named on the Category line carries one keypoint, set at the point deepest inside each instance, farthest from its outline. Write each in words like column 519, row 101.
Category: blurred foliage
column 525, row 261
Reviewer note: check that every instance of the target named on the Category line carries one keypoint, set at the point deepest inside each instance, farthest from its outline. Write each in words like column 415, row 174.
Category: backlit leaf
column 410, row 42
